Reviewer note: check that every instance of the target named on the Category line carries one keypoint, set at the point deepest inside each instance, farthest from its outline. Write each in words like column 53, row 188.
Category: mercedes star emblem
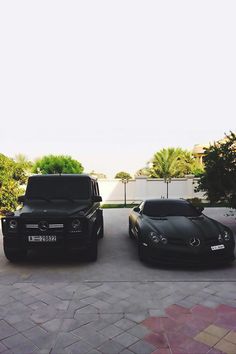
column 194, row 242
column 43, row 225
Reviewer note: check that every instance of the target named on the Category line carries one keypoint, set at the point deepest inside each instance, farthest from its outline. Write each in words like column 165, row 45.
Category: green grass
column 113, row 206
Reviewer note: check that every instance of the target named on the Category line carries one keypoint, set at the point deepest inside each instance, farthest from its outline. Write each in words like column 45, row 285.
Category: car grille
column 50, row 226
column 181, row 242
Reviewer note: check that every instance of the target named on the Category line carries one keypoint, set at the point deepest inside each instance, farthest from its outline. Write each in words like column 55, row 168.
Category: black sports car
column 173, row 231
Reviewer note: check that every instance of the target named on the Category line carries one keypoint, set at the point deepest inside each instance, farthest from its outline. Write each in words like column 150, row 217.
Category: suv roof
column 63, row 175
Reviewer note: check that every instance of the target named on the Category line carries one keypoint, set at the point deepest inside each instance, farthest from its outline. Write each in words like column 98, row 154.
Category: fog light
column 13, row 224
column 164, row 240
column 227, row 236
column 76, row 225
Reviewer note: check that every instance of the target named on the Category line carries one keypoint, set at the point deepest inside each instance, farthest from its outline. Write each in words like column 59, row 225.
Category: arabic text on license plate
column 43, row 238
column 217, row 247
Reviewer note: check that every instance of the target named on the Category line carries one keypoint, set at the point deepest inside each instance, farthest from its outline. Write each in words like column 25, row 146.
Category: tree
column 99, row 175
column 123, row 175
column 173, row 162
column 219, row 179
column 53, row 164
column 12, row 176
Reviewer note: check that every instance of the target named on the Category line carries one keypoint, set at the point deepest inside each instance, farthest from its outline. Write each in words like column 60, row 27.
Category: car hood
column 58, row 209
column 186, row 227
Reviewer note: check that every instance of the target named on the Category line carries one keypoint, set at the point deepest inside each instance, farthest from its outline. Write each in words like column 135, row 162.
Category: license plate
column 43, row 238
column 218, row 247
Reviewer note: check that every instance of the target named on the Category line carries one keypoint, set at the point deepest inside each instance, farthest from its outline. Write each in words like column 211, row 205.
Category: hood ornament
column 195, row 242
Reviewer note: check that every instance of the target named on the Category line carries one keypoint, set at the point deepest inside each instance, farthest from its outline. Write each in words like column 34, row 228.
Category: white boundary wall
column 112, row 190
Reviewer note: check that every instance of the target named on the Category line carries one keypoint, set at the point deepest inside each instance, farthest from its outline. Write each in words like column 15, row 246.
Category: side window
column 93, row 188
column 97, row 188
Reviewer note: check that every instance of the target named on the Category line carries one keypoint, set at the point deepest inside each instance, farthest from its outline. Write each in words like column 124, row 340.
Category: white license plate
column 43, row 238
column 218, row 247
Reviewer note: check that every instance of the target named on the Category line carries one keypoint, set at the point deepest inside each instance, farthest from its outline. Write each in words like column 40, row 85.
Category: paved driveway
column 116, row 305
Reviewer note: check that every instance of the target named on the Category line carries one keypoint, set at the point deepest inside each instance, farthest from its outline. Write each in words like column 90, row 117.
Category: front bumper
column 204, row 257
column 63, row 242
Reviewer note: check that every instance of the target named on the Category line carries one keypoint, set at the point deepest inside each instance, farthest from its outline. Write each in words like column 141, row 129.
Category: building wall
column 112, row 190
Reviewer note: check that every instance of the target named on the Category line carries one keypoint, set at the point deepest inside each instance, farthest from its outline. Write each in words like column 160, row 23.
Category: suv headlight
column 12, row 224
column 76, row 225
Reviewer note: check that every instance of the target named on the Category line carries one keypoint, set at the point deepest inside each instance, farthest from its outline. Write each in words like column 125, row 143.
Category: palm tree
column 170, row 162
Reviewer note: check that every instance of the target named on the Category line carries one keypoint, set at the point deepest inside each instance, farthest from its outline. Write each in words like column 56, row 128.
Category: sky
column 112, row 82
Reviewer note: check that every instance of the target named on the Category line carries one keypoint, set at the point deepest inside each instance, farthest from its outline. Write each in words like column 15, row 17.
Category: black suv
column 59, row 212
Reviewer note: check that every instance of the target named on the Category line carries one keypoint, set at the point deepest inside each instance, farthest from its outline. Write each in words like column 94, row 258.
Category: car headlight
column 226, row 236
column 156, row 238
column 76, row 225
column 12, row 224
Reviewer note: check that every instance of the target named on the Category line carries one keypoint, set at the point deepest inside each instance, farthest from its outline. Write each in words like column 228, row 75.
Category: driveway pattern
column 116, row 305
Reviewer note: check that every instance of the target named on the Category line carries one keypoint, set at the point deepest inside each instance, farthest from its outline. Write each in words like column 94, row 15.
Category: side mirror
column 136, row 209
column 21, row 199
column 200, row 209
column 97, row 198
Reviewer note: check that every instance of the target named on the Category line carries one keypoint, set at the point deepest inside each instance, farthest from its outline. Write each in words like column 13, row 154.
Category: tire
column 92, row 254
column 131, row 235
column 15, row 256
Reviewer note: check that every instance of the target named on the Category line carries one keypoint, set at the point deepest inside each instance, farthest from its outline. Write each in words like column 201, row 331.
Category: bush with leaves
column 12, row 176
column 57, row 164
column 219, row 178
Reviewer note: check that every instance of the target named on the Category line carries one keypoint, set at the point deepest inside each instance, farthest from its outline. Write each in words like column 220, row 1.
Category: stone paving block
column 157, row 339
column 6, row 330
column 139, row 331
column 156, row 312
column 231, row 337
column 41, row 338
column 126, row 339
column 86, row 309
column 206, row 338
column 96, row 340
column 64, row 340
column 89, row 300
column 80, row 347
column 2, row 348
column 85, row 318
column 226, row 347
column 111, row 331
column 136, row 317
column 111, row 318
column 19, row 344
column 85, row 331
column 52, row 325
column 216, row 331
column 94, row 351
column 142, row 347
column 110, row 347
column 125, row 324
column 99, row 324
column 41, row 316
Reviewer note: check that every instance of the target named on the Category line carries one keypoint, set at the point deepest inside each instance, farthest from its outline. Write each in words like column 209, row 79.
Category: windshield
column 58, row 188
column 162, row 209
